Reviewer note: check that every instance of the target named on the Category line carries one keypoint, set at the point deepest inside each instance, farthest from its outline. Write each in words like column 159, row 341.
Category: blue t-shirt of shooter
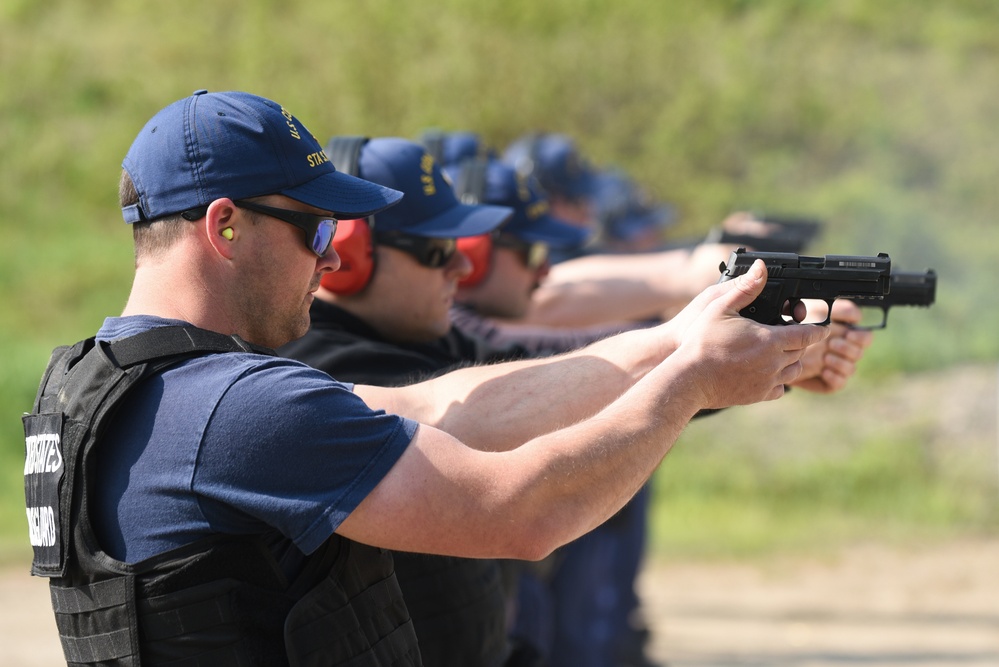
column 236, row 443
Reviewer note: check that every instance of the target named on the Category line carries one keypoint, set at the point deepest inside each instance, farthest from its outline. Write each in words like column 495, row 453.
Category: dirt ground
column 937, row 606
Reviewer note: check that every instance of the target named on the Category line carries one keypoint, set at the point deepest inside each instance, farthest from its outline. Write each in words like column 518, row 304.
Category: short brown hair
column 150, row 237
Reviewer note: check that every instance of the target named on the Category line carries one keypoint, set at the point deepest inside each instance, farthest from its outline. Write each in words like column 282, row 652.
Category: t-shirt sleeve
column 299, row 459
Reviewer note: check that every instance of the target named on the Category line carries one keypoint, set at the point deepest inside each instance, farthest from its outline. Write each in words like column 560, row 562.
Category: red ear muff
column 352, row 243
column 479, row 250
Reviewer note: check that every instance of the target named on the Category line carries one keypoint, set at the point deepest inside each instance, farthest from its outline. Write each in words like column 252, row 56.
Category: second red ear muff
column 479, row 250
column 352, row 243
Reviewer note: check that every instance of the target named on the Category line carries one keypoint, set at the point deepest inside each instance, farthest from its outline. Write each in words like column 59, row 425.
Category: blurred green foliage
column 877, row 117
column 904, row 460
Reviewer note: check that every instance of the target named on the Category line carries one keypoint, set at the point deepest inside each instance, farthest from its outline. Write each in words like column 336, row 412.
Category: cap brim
column 462, row 220
column 344, row 196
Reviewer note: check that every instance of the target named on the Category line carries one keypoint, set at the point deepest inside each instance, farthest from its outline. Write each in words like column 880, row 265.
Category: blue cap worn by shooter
column 237, row 145
column 625, row 211
column 501, row 185
column 430, row 207
column 555, row 160
column 451, row 148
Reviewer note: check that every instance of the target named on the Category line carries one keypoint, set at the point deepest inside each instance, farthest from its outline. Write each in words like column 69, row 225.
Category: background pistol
column 782, row 234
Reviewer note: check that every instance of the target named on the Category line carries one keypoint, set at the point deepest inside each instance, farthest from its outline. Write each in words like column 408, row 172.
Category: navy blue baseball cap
column 430, row 207
column 450, row 148
column 624, row 210
column 233, row 144
column 532, row 220
column 555, row 160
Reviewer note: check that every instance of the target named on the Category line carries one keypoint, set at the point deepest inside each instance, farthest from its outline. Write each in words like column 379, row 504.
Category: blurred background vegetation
column 879, row 118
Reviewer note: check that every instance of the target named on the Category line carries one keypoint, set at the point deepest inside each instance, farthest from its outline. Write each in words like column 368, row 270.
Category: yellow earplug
column 227, row 232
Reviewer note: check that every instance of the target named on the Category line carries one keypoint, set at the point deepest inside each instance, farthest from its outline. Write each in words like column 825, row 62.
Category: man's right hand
column 739, row 361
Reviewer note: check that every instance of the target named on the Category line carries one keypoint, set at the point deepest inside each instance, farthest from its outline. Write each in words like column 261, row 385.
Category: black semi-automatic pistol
column 792, row 278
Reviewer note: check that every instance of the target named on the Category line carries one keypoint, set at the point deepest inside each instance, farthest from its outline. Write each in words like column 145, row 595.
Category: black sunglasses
column 533, row 254
column 319, row 229
column 429, row 251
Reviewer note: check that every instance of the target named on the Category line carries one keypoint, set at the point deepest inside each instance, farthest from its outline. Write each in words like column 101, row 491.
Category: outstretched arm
column 499, row 406
column 601, row 289
column 526, row 501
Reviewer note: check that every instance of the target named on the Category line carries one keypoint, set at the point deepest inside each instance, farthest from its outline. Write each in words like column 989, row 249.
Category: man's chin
column 295, row 332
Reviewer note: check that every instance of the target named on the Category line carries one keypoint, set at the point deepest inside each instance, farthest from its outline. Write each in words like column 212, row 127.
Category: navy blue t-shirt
column 236, row 443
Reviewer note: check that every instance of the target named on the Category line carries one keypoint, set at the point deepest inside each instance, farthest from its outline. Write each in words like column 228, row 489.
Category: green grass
column 704, row 508
column 839, row 110
column 802, row 475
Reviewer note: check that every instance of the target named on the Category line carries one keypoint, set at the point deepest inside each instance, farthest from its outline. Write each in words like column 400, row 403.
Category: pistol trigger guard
column 874, row 327
column 828, row 320
column 883, row 324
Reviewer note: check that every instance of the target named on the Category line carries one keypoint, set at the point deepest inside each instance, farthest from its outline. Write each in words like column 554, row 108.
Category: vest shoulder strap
column 173, row 341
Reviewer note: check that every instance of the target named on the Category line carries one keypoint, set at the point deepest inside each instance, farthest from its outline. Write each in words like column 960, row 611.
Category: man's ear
column 221, row 227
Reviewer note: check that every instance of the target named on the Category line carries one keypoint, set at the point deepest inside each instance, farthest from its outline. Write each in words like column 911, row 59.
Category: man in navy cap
column 588, row 285
column 195, row 499
column 508, row 267
column 510, row 264
column 580, row 607
column 629, row 220
column 368, row 333
column 378, row 321
column 567, row 177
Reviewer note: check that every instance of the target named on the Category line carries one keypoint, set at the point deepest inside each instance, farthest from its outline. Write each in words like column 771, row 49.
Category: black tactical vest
column 219, row 602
